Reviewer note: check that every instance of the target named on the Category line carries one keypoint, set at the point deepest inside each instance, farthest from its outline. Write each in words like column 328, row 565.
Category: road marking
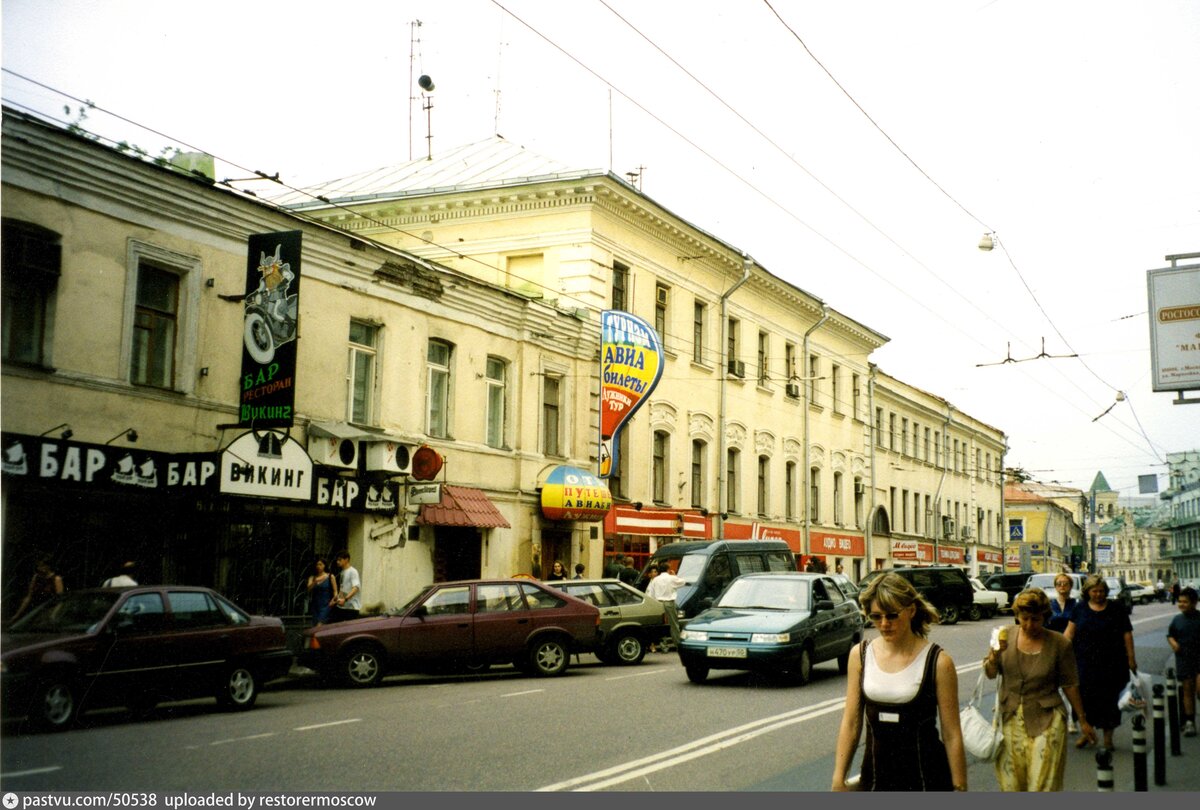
column 526, row 692
column 326, row 725
column 30, row 772
column 635, row 674
column 697, row 748
column 243, row 739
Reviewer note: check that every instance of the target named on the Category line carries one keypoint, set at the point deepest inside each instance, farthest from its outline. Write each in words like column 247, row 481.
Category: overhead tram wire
column 583, row 305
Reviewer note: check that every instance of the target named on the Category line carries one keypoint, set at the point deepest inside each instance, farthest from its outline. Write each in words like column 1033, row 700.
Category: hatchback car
column 987, row 603
column 465, row 625
column 136, row 647
column 630, row 621
column 777, row 623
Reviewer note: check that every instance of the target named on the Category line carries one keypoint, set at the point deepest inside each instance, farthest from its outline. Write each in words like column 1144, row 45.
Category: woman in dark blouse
column 1103, row 639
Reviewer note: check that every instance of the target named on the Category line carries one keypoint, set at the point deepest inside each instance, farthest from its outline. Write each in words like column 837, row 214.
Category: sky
column 858, row 150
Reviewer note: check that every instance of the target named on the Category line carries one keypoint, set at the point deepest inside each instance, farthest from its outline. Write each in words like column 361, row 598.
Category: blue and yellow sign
column 630, row 365
column 574, row 494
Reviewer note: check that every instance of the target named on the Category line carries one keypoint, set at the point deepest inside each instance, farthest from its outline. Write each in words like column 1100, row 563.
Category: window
column 764, row 467
column 892, row 431
column 731, row 481
column 879, row 427
column 661, row 299
column 927, row 457
column 955, row 457
column 662, row 451
column 814, row 495
column 437, row 361
column 789, row 490
column 928, row 515
column 916, row 434
column 551, row 409
column 916, row 513
column 496, row 378
column 763, row 355
column 937, row 448
column 813, row 366
column 449, row 601
column 859, row 497
column 835, row 380
column 789, row 361
column 698, row 452
column 731, row 340
column 192, row 609
column 904, row 510
column 31, row 266
column 619, row 475
column 620, row 283
column 904, row 437
column 837, row 499
column 699, row 321
column 361, row 372
column 854, row 396
column 978, row 463
column 155, row 323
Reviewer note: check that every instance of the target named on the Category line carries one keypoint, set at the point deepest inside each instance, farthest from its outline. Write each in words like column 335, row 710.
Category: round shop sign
column 574, row 494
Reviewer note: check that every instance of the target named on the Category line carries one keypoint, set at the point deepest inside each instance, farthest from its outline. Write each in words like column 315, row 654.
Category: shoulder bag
column 981, row 738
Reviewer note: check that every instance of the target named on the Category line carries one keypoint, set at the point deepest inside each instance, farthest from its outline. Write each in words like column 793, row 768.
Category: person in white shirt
column 123, row 577
column 663, row 588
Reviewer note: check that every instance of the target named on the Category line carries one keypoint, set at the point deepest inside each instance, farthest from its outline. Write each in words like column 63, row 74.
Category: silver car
column 630, row 621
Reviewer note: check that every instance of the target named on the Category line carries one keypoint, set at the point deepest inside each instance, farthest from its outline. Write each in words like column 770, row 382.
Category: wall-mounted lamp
column 66, row 434
column 204, row 371
column 987, row 242
column 128, row 433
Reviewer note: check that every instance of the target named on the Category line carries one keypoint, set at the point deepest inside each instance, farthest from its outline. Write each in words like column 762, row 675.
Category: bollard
column 1160, row 738
column 1104, row 771
column 1173, row 713
column 1139, row 753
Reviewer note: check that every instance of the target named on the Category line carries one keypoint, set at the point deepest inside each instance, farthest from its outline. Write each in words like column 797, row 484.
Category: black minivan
column 709, row 566
column 944, row 586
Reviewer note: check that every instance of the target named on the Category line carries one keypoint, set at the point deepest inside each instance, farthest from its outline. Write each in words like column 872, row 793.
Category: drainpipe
column 811, row 385
column 747, row 263
column 937, row 498
column 868, row 529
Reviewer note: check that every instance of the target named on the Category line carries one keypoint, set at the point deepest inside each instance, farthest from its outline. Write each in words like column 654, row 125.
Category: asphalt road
column 641, row 728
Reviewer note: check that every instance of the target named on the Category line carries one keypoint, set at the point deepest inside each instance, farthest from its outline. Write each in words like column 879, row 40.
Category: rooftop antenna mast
column 413, row 39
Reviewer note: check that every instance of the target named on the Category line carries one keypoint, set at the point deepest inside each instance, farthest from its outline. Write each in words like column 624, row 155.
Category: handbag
column 1133, row 696
column 981, row 738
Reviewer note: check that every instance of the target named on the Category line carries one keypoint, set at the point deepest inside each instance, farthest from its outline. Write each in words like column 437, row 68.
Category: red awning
column 462, row 506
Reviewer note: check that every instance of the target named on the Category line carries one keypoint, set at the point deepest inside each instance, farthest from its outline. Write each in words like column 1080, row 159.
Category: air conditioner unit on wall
column 966, row 532
column 334, row 452
column 947, row 527
column 389, row 457
column 737, row 368
column 859, row 488
column 793, row 390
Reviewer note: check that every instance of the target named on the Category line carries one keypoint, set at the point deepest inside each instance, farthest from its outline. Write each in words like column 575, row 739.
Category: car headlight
column 693, row 635
column 770, row 638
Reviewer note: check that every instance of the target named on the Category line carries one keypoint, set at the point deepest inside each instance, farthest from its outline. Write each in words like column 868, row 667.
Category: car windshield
column 78, row 612
column 691, row 566
column 766, row 594
column 1114, row 584
column 1042, row 581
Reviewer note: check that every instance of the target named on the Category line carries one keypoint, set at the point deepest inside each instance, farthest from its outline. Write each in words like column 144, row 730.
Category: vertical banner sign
column 269, row 326
column 630, row 365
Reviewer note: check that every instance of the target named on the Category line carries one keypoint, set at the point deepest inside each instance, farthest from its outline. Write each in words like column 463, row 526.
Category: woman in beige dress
column 1033, row 755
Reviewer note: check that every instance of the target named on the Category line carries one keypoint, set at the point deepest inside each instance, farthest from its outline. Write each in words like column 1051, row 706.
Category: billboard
column 631, row 362
column 270, row 323
column 1175, row 328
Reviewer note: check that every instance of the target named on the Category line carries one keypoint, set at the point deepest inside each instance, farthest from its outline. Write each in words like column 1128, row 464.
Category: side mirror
column 823, row 604
column 420, row 611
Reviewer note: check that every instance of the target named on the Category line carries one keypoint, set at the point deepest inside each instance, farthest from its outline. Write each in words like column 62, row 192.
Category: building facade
column 1183, row 497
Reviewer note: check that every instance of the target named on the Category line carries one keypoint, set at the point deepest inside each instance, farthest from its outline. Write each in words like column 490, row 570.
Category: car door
column 140, row 658
column 438, row 631
column 834, row 628
column 501, row 622
column 200, row 641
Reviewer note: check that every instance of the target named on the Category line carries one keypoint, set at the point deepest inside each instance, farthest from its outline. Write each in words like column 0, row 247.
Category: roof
column 463, row 506
column 484, row 164
column 1100, row 484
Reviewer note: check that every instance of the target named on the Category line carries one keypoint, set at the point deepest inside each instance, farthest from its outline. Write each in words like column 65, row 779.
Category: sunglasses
column 891, row 617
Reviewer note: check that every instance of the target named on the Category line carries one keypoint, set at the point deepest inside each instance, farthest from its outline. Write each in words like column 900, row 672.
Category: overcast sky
column 1068, row 128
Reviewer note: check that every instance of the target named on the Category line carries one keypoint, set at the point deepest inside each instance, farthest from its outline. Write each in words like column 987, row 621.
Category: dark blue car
column 776, row 623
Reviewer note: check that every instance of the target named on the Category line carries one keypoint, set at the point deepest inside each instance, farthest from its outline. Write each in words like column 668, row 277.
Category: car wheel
column 974, row 613
column 362, row 667
column 549, row 656
column 54, row 706
column 803, row 670
column 238, row 689
column 628, row 648
column 697, row 673
column 949, row 614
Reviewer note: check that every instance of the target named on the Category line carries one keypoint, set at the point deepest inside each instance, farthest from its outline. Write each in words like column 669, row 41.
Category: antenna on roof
column 413, row 39
column 426, row 84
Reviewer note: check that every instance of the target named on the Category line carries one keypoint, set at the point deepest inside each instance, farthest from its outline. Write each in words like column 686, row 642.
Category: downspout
column 869, row 529
column 807, row 548
column 747, row 263
column 937, row 498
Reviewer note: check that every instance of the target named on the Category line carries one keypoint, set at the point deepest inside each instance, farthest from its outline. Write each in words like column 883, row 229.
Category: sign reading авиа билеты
column 630, row 365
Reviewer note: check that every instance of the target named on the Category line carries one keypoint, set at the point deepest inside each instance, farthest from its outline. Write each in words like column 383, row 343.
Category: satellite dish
column 425, row 83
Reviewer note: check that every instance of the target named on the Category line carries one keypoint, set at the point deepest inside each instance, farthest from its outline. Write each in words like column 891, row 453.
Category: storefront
column 573, row 501
column 637, row 530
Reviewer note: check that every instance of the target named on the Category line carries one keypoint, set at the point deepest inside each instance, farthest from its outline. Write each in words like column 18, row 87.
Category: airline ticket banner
column 631, row 361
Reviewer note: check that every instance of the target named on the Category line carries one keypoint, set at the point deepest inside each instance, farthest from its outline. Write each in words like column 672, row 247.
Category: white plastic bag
column 1135, row 697
column 981, row 737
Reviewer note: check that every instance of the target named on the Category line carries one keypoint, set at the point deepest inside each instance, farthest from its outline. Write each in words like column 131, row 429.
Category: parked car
column 630, row 621
column 1142, row 593
column 709, row 567
column 1010, row 582
column 1119, row 590
column 464, row 625
column 847, row 585
column 136, row 647
column 778, row 623
column 944, row 586
column 1046, row 583
column 987, row 603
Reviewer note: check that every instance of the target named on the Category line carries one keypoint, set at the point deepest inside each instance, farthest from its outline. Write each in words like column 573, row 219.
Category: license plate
column 726, row 652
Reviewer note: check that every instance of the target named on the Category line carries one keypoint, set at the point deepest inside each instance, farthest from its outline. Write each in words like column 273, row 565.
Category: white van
column 1046, row 583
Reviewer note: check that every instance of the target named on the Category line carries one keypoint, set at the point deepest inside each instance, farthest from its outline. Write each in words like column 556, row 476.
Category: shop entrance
column 556, row 545
column 456, row 553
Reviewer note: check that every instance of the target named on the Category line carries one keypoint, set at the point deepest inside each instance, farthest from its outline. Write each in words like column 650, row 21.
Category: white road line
column 636, row 674
column 243, row 739
column 30, row 772
column 327, row 725
column 526, row 692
